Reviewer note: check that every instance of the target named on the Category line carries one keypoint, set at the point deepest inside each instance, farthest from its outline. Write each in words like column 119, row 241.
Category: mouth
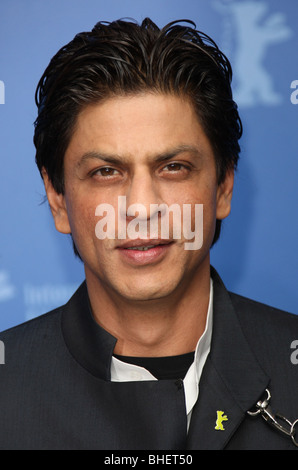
column 141, row 248
column 143, row 252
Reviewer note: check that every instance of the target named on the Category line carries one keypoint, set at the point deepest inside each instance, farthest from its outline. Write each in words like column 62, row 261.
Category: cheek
column 203, row 194
column 82, row 220
column 204, row 216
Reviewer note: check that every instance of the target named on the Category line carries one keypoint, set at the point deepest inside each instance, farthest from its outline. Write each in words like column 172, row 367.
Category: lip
column 137, row 257
column 138, row 242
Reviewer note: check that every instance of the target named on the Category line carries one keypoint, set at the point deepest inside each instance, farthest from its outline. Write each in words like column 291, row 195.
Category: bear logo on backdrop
column 249, row 30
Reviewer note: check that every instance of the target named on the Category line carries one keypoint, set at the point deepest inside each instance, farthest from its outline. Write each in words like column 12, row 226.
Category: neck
column 153, row 328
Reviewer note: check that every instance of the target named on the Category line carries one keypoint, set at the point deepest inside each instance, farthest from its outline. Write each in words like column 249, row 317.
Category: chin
column 146, row 292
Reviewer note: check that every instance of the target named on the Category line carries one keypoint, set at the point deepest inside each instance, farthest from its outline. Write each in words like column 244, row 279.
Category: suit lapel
column 214, row 398
column 232, row 380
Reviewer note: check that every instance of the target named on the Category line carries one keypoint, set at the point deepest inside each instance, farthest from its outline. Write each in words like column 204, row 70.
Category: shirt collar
column 192, row 378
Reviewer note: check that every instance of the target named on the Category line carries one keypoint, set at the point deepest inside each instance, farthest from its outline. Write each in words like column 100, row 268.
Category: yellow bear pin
column 220, row 418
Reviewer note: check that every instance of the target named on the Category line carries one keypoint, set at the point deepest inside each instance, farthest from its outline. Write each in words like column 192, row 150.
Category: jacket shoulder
column 32, row 341
column 272, row 335
column 262, row 314
column 41, row 322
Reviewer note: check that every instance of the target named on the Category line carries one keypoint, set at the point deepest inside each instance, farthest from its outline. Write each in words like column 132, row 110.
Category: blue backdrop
column 257, row 253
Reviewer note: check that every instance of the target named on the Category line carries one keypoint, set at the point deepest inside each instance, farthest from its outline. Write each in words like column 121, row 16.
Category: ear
column 224, row 196
column 57, row 205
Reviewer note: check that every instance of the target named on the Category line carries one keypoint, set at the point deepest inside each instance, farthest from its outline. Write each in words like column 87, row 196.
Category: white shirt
column 124, row 372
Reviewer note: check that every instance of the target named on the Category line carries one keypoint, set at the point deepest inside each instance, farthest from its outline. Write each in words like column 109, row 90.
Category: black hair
column 124, row 57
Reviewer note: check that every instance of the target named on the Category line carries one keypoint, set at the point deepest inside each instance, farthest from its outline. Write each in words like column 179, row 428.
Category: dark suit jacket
column 56, row 393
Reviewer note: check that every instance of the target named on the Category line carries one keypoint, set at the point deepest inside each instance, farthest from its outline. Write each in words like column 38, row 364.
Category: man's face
column 149, row 149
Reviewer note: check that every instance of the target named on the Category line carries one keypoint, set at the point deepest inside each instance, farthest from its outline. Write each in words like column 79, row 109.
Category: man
column 137, row 142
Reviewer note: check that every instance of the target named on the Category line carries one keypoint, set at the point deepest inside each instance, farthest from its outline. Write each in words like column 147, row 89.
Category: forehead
column 137, row 126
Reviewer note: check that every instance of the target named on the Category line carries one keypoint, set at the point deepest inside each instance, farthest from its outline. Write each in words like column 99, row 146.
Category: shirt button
column 179, row 384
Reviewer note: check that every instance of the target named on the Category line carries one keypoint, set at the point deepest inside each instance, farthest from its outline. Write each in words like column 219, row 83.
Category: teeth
column 141, row 248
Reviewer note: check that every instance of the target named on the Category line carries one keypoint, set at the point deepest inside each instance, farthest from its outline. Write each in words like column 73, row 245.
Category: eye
column 174, row 167
column 105, row 172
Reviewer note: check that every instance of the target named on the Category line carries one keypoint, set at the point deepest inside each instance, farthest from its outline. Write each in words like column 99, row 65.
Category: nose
column 142, row 192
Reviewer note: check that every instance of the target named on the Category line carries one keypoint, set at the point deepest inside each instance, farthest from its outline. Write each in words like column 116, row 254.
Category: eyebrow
column 94, row 155
column 115, row 159
column 167, row 155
